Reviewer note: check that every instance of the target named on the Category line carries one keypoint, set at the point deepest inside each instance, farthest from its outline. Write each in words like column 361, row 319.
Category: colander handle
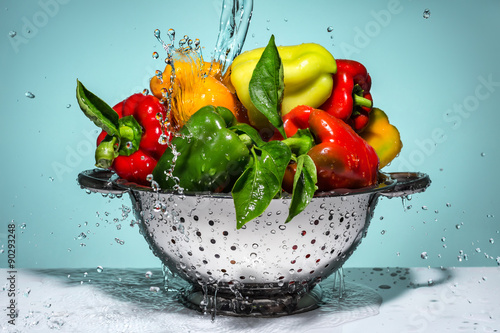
column 407, row 183
column 99, row 180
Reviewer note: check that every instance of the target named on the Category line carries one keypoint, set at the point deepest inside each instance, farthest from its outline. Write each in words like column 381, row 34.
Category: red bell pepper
column 137, row 157
column 350, row 100
column 342, row 158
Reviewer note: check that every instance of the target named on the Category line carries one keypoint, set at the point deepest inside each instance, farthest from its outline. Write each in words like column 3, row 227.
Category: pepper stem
column 301, row 142
column 246, row 139
column 106, row 152
column 361, row 101
column 130, row 135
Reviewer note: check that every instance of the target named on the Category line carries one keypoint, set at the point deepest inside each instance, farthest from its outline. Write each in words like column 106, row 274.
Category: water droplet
column 329, row 29
column 478, row 250
column 154, row 289
column 119, row 241
column 424, row 208
column 68, row 106
column 29, row 94
column 483, row 154
column 424, row 255
column 155, row 55
column 171, row 34
column 443, row 239
column 99, row 269
column 457, row 226
column 148, row 274
column 430, row 282
column 22, row 226
column 427, row 13
column 12, row 34
column 382, row 232
column 492, row 240
column 163, row 139
column 157, row 33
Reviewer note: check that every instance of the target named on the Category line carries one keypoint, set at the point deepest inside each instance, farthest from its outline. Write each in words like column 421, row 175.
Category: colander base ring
column 237, row 306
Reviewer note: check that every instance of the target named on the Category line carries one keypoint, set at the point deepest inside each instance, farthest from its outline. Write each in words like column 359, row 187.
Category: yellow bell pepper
column 307, row 70
column 382, row 136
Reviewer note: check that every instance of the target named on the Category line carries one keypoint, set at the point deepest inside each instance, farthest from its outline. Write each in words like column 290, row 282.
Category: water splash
column 234, row 21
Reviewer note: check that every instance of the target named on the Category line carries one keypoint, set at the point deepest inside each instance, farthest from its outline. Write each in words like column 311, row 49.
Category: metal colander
column 268, row 265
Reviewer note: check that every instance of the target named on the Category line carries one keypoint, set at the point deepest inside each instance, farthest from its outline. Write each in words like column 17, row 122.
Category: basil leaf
column 254, row 190
column 267, row 85
column 276, row 158
column 97, row 110
column 304, row 186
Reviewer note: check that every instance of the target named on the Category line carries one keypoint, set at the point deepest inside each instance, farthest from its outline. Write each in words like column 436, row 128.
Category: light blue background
column 422, row 70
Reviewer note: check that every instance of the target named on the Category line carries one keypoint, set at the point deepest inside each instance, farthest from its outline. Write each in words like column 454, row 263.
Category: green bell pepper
column 204, row 156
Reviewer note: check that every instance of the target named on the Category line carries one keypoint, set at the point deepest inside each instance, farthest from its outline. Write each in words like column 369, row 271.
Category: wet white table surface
column 376, row 300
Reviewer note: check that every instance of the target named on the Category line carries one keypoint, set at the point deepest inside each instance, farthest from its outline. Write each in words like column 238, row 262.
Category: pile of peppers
column 310, row 126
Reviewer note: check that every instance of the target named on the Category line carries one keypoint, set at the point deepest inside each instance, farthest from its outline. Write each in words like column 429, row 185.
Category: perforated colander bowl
column 267, row 266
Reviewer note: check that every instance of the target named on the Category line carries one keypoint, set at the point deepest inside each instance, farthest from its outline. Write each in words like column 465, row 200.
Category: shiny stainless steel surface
column 195, row 235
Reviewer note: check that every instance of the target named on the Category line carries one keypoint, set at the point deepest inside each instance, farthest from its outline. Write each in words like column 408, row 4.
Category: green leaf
column 275, row 156
column 254, row 190
column 267, row 85
column 97, row 110
column 304, row 186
